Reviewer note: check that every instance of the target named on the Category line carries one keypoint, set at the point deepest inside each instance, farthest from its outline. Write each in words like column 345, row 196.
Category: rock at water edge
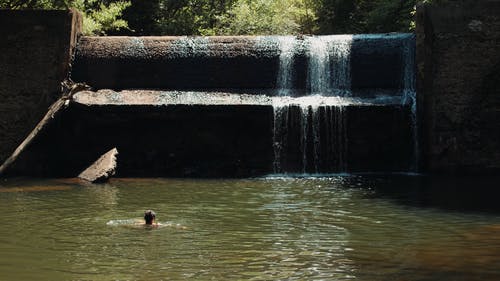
column 102, row 169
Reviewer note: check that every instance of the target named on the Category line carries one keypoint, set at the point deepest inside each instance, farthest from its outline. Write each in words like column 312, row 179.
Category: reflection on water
column 331, row 228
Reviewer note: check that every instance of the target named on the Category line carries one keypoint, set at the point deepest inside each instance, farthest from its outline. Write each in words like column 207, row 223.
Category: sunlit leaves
column 100, row 17
column 268, row 17
column 234, row 17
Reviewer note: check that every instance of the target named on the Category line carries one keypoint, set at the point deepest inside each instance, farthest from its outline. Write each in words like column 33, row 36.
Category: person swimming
column 150, row 217
column 149, row 221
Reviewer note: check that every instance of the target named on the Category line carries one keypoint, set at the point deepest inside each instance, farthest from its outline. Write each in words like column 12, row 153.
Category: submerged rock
column 102, row 169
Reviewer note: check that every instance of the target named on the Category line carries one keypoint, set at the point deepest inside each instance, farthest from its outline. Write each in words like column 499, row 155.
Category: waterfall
column 337, row 135
column 329, row 72
column 309, row 137
column 285, row 71
column 319, row 68
column 341, row 76
column 325, row 127
column 310, row 132
column 409, row 95
column 280, row 135
column 314, row 128
column 304, row 132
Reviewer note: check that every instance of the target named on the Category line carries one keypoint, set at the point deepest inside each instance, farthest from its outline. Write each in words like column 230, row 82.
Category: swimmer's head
column 149, row 216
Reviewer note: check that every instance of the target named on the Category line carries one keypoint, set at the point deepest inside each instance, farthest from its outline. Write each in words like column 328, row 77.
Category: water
column 287, row 47
column 329, row 75
column 317, row 132
column 410, row 96
column 333, row 228
column 328, row 64
column 329, row 69
column 188, row 46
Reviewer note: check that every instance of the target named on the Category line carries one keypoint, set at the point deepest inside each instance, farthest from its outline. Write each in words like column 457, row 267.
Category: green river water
column 327, row 228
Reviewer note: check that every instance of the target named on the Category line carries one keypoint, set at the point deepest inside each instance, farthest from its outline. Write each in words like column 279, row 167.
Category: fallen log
column 69, row 89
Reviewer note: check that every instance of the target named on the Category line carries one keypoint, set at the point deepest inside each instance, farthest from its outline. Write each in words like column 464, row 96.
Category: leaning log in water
column 69, row 89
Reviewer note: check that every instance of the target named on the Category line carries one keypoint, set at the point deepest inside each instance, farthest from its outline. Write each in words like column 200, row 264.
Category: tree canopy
column 233, row 17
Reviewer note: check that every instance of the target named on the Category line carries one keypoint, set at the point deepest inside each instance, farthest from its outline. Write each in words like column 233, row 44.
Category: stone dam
column 255, row 105
column 237, row 106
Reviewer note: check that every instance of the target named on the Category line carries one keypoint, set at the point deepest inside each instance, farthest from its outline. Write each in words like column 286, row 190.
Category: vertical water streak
column 340, row 126
column 329, row 65
column 319, row 67
column 285, row 71
column 409, row 94
column 304, row 131
column 280, row 135
column 316, row 131
column 336, row 139
column 281, row 109
column 318, row 128
column 341, row 65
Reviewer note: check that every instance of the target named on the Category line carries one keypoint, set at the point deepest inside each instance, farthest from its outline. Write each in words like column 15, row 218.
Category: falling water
column 280, row 134
column 309, row 137
column 321, row 127
column 410, row 95
column 329, row 72
column 341, row 76
column 285, row 71
column 304, row 132
column 319, row 68
column 286, row 45
column 316, row 126
column 336, row 134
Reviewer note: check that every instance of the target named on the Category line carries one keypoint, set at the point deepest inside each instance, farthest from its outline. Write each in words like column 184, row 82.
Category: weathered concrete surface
column 102, row 169
column 158, row 97
column 458, row 61
column 203, row 140
column 35, row 54
column 239, row 62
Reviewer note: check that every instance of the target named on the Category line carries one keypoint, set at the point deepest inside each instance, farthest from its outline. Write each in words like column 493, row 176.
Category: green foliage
column 191, row 17
column 268, row 17
column 365, row 16
column 234, row 17
column 390, row 15
column 100, row 17
column 142, row 17
column 32, row 4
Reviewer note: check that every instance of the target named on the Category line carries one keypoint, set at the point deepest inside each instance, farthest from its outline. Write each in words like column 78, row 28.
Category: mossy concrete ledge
column 36, row 49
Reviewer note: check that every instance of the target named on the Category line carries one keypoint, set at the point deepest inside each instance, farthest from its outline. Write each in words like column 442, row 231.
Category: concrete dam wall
column 363, row 61
column 248, row 106
column 237, row 107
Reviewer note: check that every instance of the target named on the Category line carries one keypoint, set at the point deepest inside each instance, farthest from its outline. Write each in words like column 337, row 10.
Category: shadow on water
column 460, row 193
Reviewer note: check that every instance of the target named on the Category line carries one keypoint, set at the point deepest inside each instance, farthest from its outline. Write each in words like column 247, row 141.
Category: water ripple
column 331, row 228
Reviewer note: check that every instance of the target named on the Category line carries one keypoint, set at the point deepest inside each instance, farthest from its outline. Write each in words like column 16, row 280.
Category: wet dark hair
column 149, row 216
